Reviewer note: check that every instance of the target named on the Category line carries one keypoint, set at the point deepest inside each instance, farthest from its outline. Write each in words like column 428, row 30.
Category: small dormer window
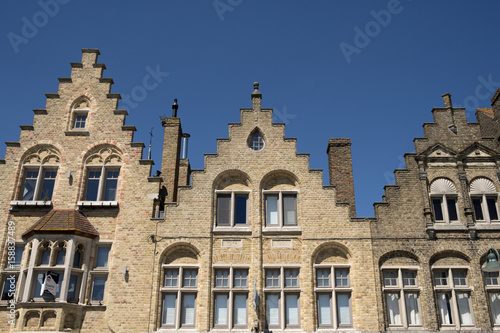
column 256, row 141
column 79, row 115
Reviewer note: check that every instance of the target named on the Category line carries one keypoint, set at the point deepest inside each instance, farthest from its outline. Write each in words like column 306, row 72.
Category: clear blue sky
column 368, row 70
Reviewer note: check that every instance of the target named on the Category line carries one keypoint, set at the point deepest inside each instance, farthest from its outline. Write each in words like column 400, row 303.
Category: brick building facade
column 254, row 241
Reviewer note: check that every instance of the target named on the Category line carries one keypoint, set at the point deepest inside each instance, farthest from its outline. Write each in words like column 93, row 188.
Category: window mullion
column 484, row 208
column 231, row 209
column 230, row 310
column 444, row 207
column 335, row 320
column 38, row 186
column 178, row 310
column 280, row 209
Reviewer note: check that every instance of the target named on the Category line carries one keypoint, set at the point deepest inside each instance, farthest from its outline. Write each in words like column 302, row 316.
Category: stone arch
column 49, row 319
column 41, row 154
column 331, row 252
column 103, row 154
column 449, row 258
column 279, row 180
column 399, row 258
column 180, row 253
column 81, row 103
column 31, row 319
column 232, row 180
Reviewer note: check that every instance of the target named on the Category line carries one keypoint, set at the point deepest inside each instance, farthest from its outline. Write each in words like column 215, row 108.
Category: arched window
column 444, row 200
column 39, row 175
column 256, row 141
column 484, row 200
column 79, row 114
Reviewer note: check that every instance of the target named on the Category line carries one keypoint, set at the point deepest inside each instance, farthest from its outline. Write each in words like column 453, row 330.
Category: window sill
column 282, row 230
column 449, row 226
column 97, row 203
column 31, row 203
column 76, row 133
column 232, row 230
column 487, row 226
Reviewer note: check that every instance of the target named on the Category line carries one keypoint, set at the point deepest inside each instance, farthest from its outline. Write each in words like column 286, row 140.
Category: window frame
column 99, row 272
column 102, row 186
column 39, row 182
column 333, row 291
column 493, row 288
column 179, row 291
column 485, row 209
column 74, row 119
column 231, row 291
column 452, row 289
column 280, row 209
column 232, row 209
column 282, row 290
column 401, row 289
column 445, row 208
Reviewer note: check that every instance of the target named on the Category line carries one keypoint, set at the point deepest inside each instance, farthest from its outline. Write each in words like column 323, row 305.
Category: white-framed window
column 282, row 297
column 230, row 297
column 99, row 273
column 281, row 208
column 333, row 296
column 232, row 208
column 102, row 183
column 79, row 114
column 38, row 183
column 444, row 197
column 453, row 295
column 484, row 199
column 402, row 297
column 179, row 291
column 492, row 283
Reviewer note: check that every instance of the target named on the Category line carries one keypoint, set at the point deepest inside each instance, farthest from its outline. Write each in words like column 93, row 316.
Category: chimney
column 172, row 133
column 256, row 97
column 340, row 167
column 447, row 100
column 184, row 166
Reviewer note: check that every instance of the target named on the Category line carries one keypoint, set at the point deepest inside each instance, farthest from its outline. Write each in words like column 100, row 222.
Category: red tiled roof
column 486, row 110
column 62, row 221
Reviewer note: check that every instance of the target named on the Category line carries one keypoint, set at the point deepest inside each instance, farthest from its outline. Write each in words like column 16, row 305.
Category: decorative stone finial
column 256, row 86
column 256, row 96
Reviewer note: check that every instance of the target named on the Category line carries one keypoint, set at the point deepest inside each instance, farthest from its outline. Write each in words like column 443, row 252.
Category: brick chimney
column 340, row 167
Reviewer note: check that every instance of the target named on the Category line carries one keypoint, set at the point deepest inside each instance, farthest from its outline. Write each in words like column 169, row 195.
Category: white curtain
column 221, row 309
column 495, row 307
column 169, row 309
column 240, row 309
column 272, row 210
column 343, row 309
column 464, row 308
column 188, row 309
column 324, row 311
column 412, row 312
column 272, row 308
column 292, row 309
column 393, row 313
column 445, row 308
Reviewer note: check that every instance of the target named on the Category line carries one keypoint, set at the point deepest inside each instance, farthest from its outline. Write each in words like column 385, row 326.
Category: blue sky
column 368, row 70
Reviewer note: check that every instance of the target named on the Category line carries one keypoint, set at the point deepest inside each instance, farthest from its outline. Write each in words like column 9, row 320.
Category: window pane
column 240, row 309
column 324, row 310
column 438, row 212
column 343, row 309
column 221, row 309
column 291, row 278
column 240, row 209
column 240, row 277
column 187, row 316
column 222, row 278
column 491, row 278
column 390, row 278
column 9, row 286
column 289, row 210
column 171, row 277
column 464, row 308
column 256, row 141
column 223, row 209
column 492, row 208
column 272, row 210
column 272, row 309
column 452, row 209
column 342, row 277
column 18, row 256
column 80, row 121
column 73, row 293
column 445, row 308
column 169, row 301
column 102, row 256
column 495, row 307
column 29, row 185
column 45, row 257
column 38, row 284
column 459, row 278
column 76, row 259
column 409, row 278
column 61, row 257
column 111, row 185
column 412, row 312
column 93, row 185
column 190, row 277
column 272, row 277
column 478, row 210
column 393, row 313
column 323, row 277
column 48, row 185
column 292, row 309
column 98, row 288
column 441, row 278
